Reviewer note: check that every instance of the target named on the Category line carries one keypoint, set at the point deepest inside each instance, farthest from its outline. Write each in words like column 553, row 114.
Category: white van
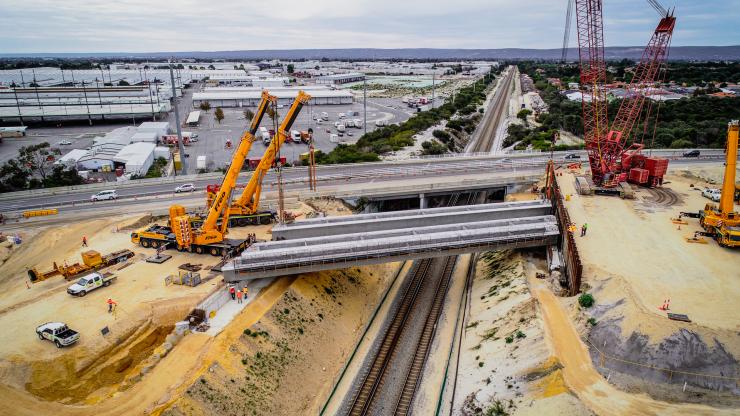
column 325, row 116
column 104, row 196
column 341, row 128
column 334, row 138
column 295, row 135
column 340, row 115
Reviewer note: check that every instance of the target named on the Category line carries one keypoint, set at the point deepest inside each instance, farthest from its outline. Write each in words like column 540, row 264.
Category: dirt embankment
column 288, row 361
column 505, row 364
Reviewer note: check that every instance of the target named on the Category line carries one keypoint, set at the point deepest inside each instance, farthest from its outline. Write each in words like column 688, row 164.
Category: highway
column 294, row 178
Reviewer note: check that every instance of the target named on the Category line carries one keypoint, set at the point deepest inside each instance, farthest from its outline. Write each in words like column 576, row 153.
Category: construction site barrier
column 689, row 377
column 567, row 242
column 40, row 212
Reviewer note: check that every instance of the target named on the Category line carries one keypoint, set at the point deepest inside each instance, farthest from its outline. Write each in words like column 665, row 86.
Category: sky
column 57, row 26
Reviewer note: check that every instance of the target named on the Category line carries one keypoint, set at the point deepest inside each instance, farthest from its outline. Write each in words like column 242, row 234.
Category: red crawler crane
column 609, row 162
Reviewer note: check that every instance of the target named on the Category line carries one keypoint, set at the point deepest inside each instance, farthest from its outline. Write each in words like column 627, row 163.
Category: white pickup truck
column 58, row 333
column 89, row 283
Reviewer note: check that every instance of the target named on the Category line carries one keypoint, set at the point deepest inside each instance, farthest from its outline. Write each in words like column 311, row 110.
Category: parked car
column 193, row 136
column 64, row 143
column 104, row 195
column 89, row 283
column 692, row 153
column 186, row 187
column 571, row 156
column 193, row 139
column 58, row 333
column 712, row 193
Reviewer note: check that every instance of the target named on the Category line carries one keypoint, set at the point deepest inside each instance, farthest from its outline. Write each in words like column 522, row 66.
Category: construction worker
column 232, row 292
column 111, row 305
column 239, row 296
column 584, row 227
column 84, row 241
column 246, row 291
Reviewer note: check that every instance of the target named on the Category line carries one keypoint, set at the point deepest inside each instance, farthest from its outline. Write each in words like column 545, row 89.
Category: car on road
column 571, row 156
column 58, row 333
column 104, row 196
column 64, row 143
column 186, row 187
column 349, row 133
column 692, row 153
column 194, row 136
column 193, row 139
column 712, row 193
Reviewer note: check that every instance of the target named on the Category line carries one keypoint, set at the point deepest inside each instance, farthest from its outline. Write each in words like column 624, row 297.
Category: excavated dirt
column 295, row 351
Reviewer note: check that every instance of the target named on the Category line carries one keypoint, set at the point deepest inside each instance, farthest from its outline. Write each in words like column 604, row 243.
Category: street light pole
column 180, row 145
column 364, row 102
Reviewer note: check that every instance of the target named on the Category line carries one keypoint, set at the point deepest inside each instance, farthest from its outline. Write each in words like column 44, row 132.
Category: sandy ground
column 99, row 374
column 504, row 359
column 647, row 253
column 583, row 379
column 298, row 351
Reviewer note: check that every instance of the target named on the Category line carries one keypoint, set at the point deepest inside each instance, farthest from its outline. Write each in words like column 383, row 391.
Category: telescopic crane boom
column 210, row 235
column 245, row 209
column 248, row 202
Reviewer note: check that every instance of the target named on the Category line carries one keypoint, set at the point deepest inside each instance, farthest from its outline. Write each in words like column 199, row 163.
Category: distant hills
column 682, row 53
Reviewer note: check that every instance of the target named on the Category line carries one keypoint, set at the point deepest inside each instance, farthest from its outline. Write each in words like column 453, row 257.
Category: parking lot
column 212, row 135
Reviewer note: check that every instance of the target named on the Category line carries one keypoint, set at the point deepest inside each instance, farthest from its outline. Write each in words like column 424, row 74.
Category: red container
column 657, row 166
column 253, row 163
column 638, row 175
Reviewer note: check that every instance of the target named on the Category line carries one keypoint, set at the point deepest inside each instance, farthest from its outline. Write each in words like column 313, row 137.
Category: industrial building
column 129, row 150
column 251, row 97
column 337, row 79
column 44, row 104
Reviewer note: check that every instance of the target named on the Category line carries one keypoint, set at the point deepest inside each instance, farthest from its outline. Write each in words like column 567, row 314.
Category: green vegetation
column 586, row 300
column 696, row 121
column 520, row 334
column 34, row 168
column 433, row 148
column 592, row 321
column 218, row 114
column 497, row 409
column 509, row 339
column 155, row 171
column 397, row 136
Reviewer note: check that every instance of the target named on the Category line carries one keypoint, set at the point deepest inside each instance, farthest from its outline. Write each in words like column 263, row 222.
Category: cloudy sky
column 36, row 26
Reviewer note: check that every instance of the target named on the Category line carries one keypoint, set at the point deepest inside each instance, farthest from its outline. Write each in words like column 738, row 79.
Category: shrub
column 520, row 334
column 592, row 321
column 509, row 339
column 247, row 331
column 586, row 300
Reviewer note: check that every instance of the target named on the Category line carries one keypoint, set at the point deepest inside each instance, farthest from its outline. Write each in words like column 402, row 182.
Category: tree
column 211, row 67
column 433, row 148
column 13, row 176
column 248, row 114
column 205, row 106
column 523, row 113
column 219, row 114
column 316, row 68
column 291, row 68
column 37, row 157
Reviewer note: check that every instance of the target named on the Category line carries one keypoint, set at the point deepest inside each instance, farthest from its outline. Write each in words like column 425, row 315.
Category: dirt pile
column 295, row 351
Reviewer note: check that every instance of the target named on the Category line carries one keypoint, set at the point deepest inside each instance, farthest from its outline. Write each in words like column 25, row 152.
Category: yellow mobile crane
column 245, row 209
column 723, row 222
column 208, row 236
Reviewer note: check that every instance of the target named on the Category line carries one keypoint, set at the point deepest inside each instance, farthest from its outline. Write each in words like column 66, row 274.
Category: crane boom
column 248, row 202
column 590, row 29
column 645, row 75
column 221, row 201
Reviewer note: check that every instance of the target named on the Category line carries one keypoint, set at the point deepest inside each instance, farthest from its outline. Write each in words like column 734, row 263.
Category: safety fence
column 567, row 242
column 670, row 375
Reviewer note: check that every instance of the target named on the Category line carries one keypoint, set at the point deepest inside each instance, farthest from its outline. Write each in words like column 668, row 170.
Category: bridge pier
column 423, row 204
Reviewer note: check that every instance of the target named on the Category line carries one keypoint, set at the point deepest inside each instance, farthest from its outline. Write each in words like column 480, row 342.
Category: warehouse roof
column 243, row 95
column 135, row 153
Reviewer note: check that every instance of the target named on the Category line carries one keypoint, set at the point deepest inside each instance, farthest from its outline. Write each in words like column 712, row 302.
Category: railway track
column 487, row 133
column 367, row 394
